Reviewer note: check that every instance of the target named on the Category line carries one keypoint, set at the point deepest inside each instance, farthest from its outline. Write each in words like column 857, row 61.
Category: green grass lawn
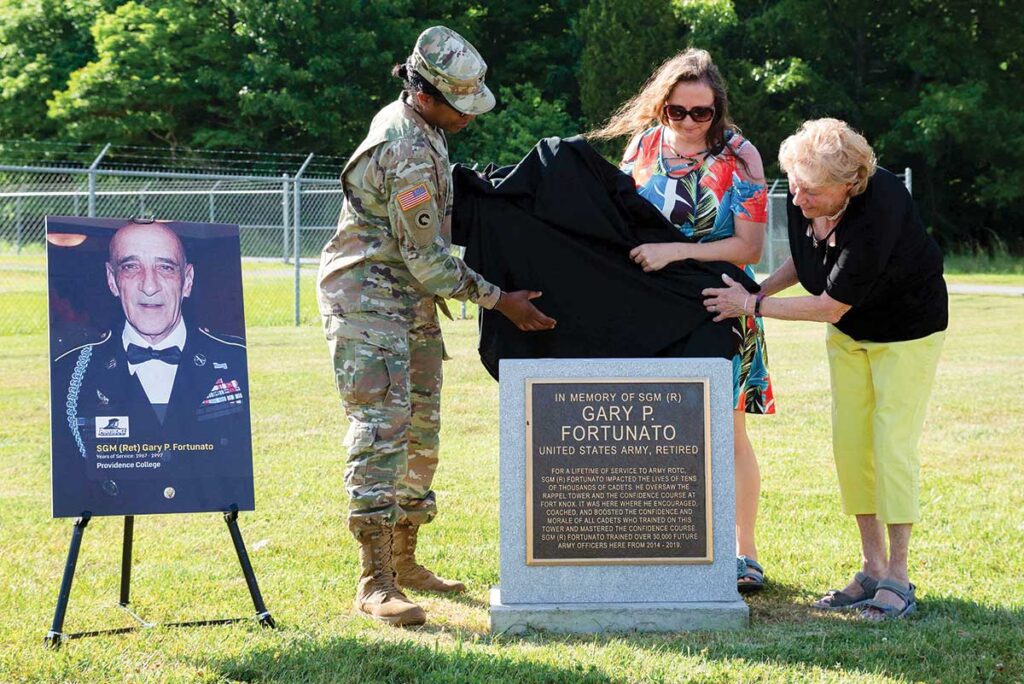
column 266, row 285
column 998, row 263
column 270, row 299
column 967, row 555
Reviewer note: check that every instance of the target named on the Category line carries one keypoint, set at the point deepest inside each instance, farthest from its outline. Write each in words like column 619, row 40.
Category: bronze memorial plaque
column 618, row 471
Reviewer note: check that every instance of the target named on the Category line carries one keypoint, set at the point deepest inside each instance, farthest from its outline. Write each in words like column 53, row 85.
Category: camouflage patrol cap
column 452, row 65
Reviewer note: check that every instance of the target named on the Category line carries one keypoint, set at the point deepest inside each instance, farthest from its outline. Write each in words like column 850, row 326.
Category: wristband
column 757, row 304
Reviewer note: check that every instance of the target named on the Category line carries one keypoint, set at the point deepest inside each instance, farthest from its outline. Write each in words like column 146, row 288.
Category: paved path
column 968, row 288
column 962, row 288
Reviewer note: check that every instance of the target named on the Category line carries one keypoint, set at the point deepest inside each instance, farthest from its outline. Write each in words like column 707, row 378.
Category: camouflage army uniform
column 380, row 277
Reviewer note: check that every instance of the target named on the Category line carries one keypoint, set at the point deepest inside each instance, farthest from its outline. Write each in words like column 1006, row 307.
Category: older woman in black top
column 875, row 276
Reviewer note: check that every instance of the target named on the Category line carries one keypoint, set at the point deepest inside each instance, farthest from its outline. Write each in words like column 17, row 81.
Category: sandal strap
column 868, row 583
column 886, row 608
column 905, row 593
column 837, row 597
column 752, row 564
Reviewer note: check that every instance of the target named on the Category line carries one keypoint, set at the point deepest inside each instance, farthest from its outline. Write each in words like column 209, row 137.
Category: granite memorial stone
column 616, row 493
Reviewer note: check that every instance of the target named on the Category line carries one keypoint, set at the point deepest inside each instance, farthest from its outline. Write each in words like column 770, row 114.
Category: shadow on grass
column 464, row 599
column 947, row 639
column 346, row 659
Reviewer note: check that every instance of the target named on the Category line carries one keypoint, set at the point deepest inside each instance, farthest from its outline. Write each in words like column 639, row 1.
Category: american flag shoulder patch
column 413, row 197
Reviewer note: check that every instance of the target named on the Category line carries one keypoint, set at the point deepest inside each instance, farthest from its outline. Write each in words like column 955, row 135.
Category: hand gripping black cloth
column 563, row 221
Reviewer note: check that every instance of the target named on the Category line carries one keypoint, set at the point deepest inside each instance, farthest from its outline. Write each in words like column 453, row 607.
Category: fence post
column 284, row 217
column 908, row 180
column 17, row 221
column 462, row 255
column 213, row 212
column 771, row 229
column 92, row 179
column 296, row 229
column 142, row 199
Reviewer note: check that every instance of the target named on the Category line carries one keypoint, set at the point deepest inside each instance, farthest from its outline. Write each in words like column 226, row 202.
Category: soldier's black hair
column 413, row 82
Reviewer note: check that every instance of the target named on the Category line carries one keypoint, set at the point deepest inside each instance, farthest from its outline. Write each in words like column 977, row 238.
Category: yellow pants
column 880, row 392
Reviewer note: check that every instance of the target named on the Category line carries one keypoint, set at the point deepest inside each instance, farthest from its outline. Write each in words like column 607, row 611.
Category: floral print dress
column 701, row 197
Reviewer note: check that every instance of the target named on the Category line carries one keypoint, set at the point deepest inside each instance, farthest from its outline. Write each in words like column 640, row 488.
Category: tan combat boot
column 411, row 574
column 377, row 595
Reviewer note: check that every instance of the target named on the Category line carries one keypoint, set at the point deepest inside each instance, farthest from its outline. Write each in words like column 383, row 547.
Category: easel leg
column 126, row 560
column 126, row 572
column 262, row 614
column 55, row 636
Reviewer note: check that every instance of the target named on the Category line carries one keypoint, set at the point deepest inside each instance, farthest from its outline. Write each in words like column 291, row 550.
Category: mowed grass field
column 967, row 555
column 267, row 285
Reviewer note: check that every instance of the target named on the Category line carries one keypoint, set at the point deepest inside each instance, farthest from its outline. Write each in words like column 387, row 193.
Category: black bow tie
column 137, row 354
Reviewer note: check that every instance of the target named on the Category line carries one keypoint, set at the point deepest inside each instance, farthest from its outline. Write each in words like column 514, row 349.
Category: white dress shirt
column 157, row 377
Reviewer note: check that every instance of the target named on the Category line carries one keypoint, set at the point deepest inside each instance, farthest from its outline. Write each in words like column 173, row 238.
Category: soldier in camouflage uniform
column 382, row 277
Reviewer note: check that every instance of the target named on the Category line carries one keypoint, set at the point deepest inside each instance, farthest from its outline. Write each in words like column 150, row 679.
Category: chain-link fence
column 280, row 217
column 285, row 217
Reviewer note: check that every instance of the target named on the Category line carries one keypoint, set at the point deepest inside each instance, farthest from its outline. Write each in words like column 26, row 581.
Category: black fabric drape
column 563, row 221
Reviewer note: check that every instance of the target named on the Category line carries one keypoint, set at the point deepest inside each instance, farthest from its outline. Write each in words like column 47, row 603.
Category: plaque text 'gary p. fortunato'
column 618, row 471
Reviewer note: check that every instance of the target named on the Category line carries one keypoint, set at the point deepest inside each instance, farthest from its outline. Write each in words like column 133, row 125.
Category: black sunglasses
column 698, row 114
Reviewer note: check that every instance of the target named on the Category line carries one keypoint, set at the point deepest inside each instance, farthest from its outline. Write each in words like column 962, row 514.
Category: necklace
column 829, row 239
column 692, row 158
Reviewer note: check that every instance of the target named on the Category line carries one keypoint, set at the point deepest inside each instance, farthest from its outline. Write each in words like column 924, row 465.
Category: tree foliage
column 523, row 118
column 933, row 84
column 929, row 82
column 41, row 43
column 623, row 42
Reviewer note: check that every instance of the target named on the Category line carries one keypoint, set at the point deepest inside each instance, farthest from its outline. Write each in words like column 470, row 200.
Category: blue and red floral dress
column 701, row 197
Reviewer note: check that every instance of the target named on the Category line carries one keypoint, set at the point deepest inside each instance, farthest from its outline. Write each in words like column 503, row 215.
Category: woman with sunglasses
column 689, row 160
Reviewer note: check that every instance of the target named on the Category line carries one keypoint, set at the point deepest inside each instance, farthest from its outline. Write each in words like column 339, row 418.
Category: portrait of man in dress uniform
column 152, row 415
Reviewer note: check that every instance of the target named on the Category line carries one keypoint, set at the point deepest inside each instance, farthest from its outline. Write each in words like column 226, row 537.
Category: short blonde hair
column 826, row 152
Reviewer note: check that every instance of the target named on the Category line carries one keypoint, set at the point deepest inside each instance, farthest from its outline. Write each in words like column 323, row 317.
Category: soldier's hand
column 517, row 308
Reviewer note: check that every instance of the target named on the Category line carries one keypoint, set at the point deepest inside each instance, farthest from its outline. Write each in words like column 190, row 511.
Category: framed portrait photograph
column 149, row 386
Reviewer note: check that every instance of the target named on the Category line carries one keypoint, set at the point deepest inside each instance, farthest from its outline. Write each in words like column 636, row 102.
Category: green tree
column 505, row 135
column 316, row 71
column 41, row 43
column 528, row 43
column 623, row 41
column 276, row 75
column 165, row 72
column 933, row 84
column 963, row 129
column 531, row 52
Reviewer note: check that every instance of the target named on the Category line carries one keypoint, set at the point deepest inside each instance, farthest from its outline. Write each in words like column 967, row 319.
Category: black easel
column 55, row 637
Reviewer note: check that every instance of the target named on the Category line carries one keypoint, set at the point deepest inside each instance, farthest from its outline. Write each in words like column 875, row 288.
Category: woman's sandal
column 889, row 611
column 751, row 571
column 836, row 599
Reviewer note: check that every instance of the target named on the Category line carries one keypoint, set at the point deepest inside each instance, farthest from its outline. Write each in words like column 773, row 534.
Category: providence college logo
column 110, row 427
